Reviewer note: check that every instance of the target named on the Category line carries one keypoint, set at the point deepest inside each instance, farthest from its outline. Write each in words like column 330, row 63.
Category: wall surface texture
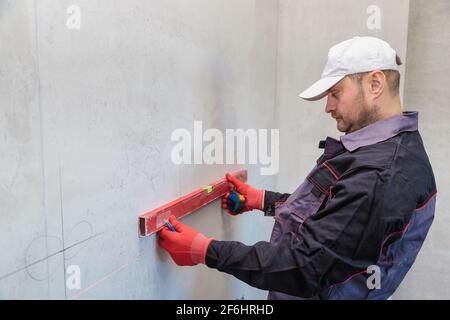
column 85, row 136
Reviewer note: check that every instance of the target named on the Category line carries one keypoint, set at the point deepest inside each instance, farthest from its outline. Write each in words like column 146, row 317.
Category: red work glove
column 186, row 246
column 254, row 198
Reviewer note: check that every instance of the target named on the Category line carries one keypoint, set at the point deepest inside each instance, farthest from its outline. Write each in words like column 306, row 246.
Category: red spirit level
column 152, row 221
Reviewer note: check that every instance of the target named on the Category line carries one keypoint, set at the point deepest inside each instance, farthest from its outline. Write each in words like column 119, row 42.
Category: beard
column 366, row 115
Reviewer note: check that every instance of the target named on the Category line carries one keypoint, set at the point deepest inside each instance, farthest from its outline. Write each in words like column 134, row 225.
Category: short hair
column 392, row 78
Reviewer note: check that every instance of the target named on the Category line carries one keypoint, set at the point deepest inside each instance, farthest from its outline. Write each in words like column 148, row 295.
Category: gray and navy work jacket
column 361, row 214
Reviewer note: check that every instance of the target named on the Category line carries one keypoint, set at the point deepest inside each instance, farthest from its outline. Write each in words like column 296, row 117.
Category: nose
column 331, row 104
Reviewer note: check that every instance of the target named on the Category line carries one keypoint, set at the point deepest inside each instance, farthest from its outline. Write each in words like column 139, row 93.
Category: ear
column 377, row 83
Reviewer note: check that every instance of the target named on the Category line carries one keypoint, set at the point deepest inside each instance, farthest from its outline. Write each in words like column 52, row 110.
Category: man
column 365, row 207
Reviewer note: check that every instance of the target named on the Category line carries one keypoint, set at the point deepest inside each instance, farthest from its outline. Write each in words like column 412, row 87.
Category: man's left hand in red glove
column 186, row 246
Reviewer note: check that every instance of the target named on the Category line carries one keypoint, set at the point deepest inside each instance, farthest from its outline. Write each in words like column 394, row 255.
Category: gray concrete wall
column 426, row 90
column 85, row 125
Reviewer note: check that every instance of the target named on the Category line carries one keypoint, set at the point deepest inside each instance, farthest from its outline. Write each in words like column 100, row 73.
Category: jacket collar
column 381, row 130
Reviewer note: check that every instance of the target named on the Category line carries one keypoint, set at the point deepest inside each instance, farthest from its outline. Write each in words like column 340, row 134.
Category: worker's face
column 346, row 101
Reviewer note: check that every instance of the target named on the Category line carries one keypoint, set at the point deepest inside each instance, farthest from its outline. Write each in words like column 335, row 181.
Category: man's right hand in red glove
column 254, row 198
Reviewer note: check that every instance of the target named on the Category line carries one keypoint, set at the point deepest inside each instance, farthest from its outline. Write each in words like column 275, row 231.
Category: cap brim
column 319, row 89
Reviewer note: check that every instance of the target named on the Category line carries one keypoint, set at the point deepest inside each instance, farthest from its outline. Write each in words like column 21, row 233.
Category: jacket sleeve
column 270, row 198
column 342, row 238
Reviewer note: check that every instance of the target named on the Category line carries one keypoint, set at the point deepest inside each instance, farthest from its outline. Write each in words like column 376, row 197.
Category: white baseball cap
column 359, row 54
